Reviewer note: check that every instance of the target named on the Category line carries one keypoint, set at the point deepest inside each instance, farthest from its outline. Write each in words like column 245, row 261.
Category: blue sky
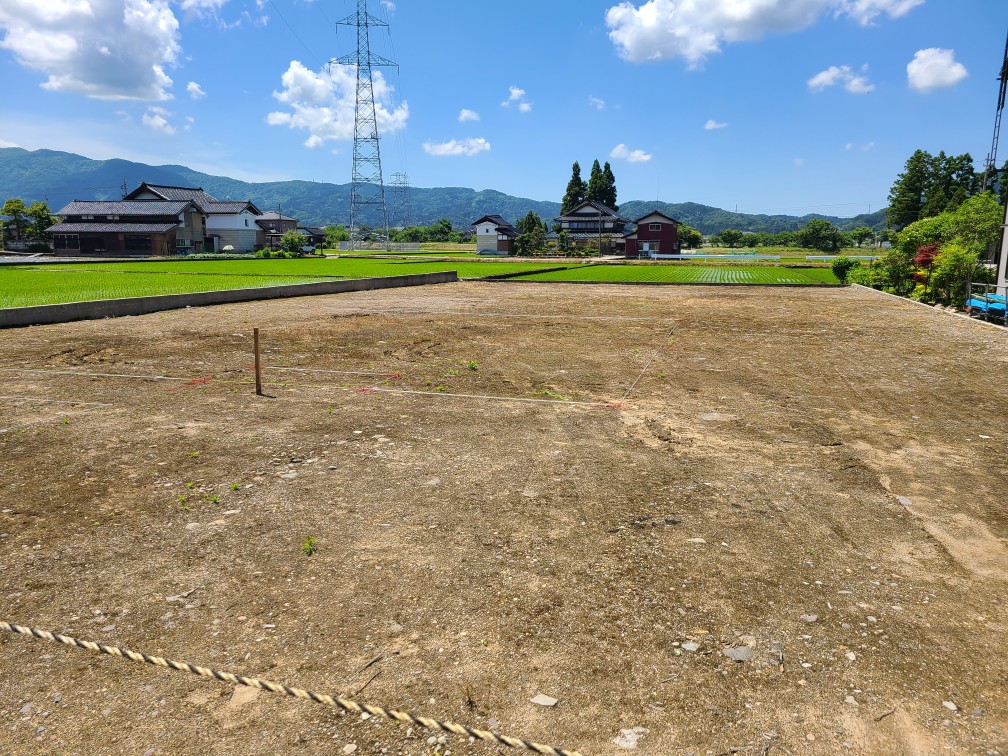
column 787, row 106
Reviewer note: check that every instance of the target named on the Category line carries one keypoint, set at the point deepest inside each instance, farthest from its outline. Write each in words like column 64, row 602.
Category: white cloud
column 202, row 7
column 516, row 96
column 711, row 125
column 696, row 29
column 468, row 115
column 467, row 147
column 799, row 162
column 5, row 143
column 323, row 103
column 596, row 102
column 622, row 152
column 189, row 123
column 852, row 82
column 155, row 119
column 104, row 49
column 388, row 5
column 195, row 90
column 867, row 146
column 934, row 68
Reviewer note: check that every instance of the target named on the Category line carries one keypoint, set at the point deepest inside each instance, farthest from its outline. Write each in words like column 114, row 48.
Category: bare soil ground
column 749, row 471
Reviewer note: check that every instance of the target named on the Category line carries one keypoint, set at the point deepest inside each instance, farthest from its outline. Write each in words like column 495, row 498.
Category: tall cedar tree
column 928, row 184
column 596, row 188
column 609, row 187
column 906, row 198
column 576, row 191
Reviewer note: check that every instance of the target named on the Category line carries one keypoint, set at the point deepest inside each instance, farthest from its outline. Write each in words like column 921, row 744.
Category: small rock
column 628, row 738
column 690, row 646
column 543, row 700
column 58, row 698
column 492, row 723
column 871, row 619
column 108, row 628
column 349, row 748
column 950, row 706
column 740, row 654
column 809, row 619
column 851, row 700
column 289, row 475
column 26, row 709
column 851, row 656
column 695, row 540
column 904, row 501
column 442, row 740
column 395, row 628
column 431, row 740
column 149, row 752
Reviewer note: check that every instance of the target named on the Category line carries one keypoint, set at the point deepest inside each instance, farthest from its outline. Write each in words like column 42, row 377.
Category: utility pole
column 366, row 186
column 402, row 202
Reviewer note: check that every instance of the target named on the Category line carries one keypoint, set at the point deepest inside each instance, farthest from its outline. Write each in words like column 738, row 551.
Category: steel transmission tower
column 366, row 186
column 990, row 169
column 402, row 204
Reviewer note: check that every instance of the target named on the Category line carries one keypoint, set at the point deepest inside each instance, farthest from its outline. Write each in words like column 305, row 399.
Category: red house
column 656, row 235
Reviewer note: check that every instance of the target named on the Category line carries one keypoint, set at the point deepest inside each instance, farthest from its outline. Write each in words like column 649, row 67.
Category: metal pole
column 255, row 343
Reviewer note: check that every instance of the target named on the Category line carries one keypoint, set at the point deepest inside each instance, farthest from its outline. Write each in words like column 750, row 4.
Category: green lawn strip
column 26, row 288
column 22, row 286
column 689, row 273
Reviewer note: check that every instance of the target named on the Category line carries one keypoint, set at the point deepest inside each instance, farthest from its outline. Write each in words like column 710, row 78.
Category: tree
column 336, row 234
column 935, row 204
column 820, row 234
column 532, row 238
column 957, row 199
column 976, row 223
column 292, row 242
column 955, row 267
column 440, row 231
column 842, row 266
column 608, row 187
column 689, row 237
column 596, row 188
column 40, row 222
column 861, row 234
column 577, row 189
column 730, row 237
column 906, row 197
column 15, row 209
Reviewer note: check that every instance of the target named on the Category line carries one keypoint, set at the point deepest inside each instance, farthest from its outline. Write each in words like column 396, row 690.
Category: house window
column 654, row 227
column 87, row 217
column 66, row 241
column 138, row 243
column 645, row 247
column 113, row 217
column 246, row 221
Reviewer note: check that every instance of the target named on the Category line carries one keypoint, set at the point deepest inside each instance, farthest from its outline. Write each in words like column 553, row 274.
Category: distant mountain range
column 60, row 177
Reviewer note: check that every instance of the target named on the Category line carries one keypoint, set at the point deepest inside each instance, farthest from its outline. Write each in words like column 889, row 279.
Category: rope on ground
column 252, row 682
column 653, row 357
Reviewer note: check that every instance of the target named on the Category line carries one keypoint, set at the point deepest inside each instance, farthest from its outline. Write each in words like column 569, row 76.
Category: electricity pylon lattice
column 366, row 187
column 990, row 169
column 402, row 205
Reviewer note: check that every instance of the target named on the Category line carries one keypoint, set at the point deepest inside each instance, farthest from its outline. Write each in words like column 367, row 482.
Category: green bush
column 842, row 267
column 873, row 277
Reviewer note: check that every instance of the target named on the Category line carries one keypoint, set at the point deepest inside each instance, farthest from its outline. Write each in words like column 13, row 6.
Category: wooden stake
column 255, row 340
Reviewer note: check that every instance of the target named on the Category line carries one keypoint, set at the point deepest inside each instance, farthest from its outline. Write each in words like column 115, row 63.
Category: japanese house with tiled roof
column 593, row 224
column 140, row 227
column 494, row 236
column 657, row 235
column 228, row 224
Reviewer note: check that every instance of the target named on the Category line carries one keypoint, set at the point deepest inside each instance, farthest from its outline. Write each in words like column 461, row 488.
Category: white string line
column 95, row 375
column 658, row 351
column 53, row 401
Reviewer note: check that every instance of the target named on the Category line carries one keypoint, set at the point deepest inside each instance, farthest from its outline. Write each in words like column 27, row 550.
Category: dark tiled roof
column 229, row 208
column 657, row 212
column 111, row 228
column 275, row 216
column 503, row 226
column 197, row 195
column 607, row 213
column 125, row 207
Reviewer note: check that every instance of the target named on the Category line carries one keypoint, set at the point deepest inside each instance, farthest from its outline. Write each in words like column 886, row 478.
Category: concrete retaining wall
column 113, row 308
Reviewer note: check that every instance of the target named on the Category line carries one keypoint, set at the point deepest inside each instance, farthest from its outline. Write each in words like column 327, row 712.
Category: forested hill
column 60, row 177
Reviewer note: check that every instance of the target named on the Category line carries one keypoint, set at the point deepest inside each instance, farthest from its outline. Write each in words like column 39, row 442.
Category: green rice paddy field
column 689, row 273
column 27, row 285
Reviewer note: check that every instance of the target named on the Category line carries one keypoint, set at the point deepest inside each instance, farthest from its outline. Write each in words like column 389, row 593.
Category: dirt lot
column 814, row 480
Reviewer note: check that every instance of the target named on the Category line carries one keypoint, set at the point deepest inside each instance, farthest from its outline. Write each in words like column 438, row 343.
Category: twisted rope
column 252, row 682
